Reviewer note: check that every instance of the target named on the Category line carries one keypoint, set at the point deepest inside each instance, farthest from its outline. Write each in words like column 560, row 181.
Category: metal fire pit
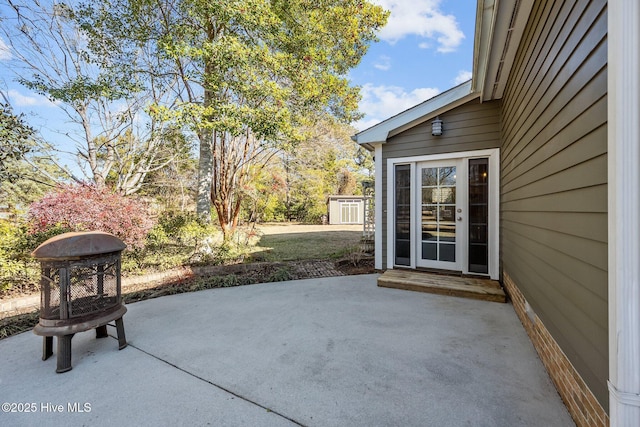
column 79, row 290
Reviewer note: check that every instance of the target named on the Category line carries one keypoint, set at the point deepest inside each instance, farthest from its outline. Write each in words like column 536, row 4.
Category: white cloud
column 20, row 100
column 423, row 18
column 381, row 102
column 5, row 52
column 463, row 76
column 365, row 123
column 383, row 63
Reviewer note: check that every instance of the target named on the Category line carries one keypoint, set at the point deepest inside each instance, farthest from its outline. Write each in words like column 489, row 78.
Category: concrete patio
column 320, row 352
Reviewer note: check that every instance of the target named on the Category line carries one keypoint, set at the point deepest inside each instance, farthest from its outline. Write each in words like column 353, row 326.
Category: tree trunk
column 228, row 222
column 205, row 161
column 205, row 176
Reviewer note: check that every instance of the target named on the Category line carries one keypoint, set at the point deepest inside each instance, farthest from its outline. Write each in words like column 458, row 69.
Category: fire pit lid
column 78, row 244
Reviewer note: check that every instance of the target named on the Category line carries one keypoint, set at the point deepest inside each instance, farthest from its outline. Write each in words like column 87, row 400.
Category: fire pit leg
column 47, row 347
column 101, row 331
column 122, row 339
column 64, row 353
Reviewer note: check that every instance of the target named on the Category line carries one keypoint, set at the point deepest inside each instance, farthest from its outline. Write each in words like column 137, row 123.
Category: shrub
column 9, row 266
column 280, row 275
column 16, row 265
column 184, row 229
column 86, row 208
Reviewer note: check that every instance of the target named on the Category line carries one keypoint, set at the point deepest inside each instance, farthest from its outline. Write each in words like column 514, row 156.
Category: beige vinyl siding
column 472, row 126
column 554, row 179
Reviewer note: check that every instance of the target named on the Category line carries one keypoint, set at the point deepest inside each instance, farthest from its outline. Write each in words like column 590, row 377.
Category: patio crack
column 218, row 386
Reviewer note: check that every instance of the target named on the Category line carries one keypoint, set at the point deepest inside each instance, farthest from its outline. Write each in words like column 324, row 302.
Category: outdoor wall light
column 436, row 127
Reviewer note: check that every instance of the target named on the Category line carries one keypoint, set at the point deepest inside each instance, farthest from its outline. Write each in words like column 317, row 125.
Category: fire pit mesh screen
column 50, row 293
column 94, row 287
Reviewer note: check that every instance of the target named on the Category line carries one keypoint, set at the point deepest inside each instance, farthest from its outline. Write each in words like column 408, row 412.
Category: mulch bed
column 228, row 276
column 19, row 290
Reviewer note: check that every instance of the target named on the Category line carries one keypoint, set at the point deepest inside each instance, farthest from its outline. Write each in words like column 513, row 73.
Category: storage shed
column 345, row 209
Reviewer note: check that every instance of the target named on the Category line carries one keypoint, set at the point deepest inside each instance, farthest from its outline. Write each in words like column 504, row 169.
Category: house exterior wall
column 554, row 183
column 472, row 126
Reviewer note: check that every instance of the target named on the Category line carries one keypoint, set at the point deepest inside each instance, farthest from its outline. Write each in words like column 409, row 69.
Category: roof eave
column 485, row 15
column 500, row 26
column 444, row 101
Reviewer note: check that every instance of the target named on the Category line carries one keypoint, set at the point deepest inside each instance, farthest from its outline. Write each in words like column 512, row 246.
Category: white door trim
column 494, row 215
column 378, row 205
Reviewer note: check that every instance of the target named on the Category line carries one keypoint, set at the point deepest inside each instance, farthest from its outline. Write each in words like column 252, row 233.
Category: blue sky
column 426, row 48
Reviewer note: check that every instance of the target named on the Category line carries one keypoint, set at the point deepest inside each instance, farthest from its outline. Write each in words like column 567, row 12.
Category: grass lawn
column 278, row 243
column 291, row 242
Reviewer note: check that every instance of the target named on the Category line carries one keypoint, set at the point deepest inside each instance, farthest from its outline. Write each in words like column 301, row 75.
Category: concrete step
column 466, row 287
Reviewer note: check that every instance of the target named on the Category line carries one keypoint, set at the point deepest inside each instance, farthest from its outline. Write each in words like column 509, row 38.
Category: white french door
column 440, row 232
column 443, row 212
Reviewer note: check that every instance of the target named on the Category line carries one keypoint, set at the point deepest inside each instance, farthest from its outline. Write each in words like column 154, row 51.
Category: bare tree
column 116, row 141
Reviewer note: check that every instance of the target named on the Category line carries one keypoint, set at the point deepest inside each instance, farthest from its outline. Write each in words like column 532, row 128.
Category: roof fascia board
column 380, row 133
column 518, row 23
column 507, row 29
column 485, row 18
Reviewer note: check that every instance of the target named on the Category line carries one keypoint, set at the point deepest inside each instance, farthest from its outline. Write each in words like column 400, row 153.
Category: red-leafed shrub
column 88, row 208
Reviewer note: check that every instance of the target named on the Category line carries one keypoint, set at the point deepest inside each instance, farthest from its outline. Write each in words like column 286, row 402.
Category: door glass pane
column 429, row 213
column 403, row 195
column 447, row 232
column 403, row 215
column 478, row 215
column 427, row 195
column 478, row 234
column 429, row 177
column 447, row 213
column 447, row 252
column 430, row 251
column 447, row 195
column 430, row 232
column 403, row 252
column 447, row 176
column 403, row 178
column 402, row 231
column 438, row 213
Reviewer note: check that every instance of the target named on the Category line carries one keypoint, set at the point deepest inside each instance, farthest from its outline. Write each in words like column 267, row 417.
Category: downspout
column 624, row 211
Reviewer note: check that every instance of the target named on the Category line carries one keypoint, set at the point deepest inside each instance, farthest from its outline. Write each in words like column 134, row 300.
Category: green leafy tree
column 27, row 168
column 251, row 74
column 326, row 163
column 173, row 187
column 15, row 140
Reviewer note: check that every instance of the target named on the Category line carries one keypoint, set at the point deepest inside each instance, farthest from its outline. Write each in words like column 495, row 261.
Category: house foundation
column 580, row 401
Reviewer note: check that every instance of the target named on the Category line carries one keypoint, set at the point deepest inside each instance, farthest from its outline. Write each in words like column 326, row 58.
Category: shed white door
column 349, row 212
